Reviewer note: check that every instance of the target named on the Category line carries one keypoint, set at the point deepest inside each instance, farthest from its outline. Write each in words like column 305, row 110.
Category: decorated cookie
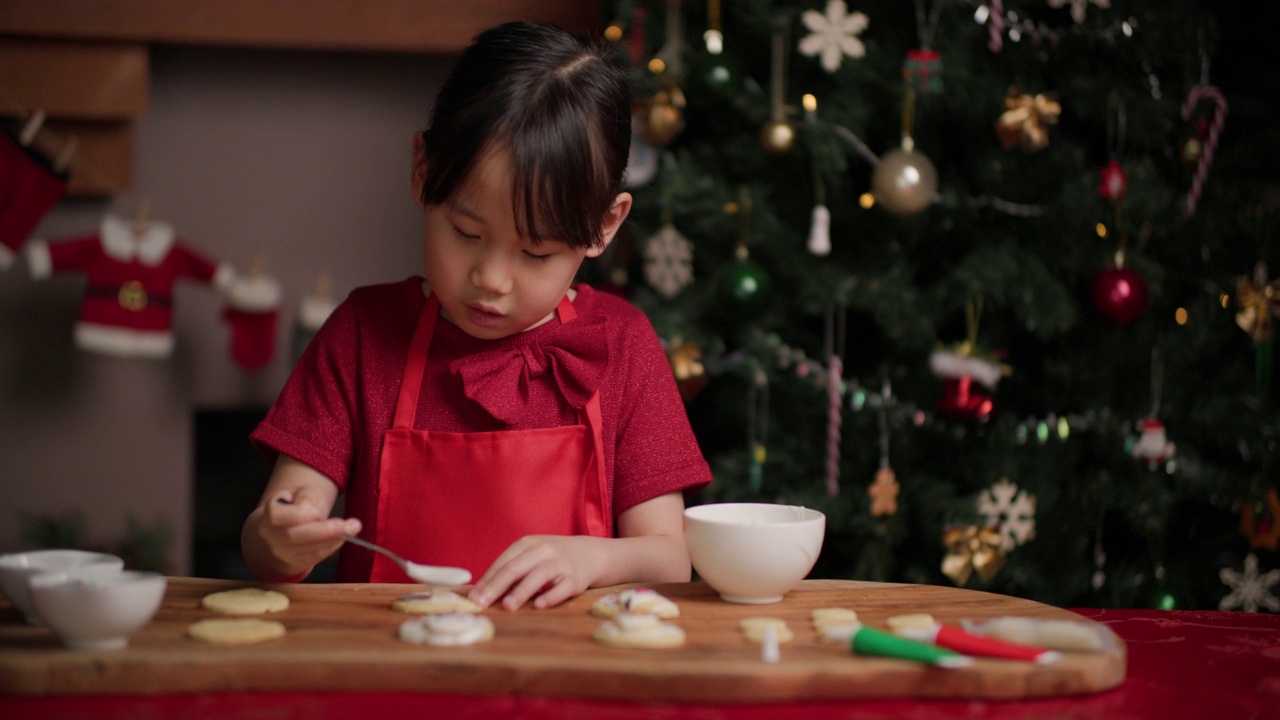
column 632, row 630
column 753, row 629
column 434, row 600
column 447, row 628
column 246, row 601
column 235, row 631
column 635, row 600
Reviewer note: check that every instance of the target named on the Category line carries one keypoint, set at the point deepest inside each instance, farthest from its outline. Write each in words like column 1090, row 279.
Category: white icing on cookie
column 450, row 628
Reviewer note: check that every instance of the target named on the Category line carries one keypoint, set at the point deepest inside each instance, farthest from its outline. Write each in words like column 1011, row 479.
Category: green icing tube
column 870, row 641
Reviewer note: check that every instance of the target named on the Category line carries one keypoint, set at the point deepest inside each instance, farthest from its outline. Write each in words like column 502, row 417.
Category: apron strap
column 415, row 365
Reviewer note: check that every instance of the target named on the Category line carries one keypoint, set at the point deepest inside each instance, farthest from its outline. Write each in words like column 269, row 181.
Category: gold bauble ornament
column 778, row 136
column 1192, row 149
column 662, row 117
column 905, row 181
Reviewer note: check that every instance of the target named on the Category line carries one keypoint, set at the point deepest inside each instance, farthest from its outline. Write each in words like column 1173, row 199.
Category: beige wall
column 302, row 156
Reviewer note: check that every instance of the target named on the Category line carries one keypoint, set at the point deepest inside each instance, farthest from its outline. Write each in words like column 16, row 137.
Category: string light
column 1101, row 230
column 867, row 200
column 1180, row 316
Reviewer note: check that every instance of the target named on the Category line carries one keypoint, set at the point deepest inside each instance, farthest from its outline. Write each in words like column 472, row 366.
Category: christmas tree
column 974, row 278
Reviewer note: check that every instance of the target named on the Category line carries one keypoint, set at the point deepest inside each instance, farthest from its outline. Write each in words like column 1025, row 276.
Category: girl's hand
column 548, row 569
column 290, row 531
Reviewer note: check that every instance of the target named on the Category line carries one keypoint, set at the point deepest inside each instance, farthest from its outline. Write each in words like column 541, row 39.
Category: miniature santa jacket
column 132, row 269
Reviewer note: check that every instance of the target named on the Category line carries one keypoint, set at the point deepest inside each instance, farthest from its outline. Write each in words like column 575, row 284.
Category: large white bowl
column 753, row 552
column 91, row 611
column 17, row 568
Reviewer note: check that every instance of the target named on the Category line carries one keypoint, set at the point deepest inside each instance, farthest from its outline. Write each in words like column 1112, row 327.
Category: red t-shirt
column 341, row 396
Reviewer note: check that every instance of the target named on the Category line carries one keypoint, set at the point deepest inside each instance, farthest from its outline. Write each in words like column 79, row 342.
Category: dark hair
column 560, row 106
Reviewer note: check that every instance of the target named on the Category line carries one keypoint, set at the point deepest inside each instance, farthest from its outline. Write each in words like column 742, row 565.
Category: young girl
column 493, row 416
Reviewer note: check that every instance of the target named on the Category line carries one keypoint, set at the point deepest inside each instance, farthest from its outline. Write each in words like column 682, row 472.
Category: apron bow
column 498, row 380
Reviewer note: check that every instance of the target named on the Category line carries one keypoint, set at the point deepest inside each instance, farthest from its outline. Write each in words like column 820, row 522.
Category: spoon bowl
column 425, row 574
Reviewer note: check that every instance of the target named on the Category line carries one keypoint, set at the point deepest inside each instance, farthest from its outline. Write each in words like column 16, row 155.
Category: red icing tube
column 982, row 646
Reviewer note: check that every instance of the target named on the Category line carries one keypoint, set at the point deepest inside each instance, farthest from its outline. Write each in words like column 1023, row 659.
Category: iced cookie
column 235, row 631
column 435, row 600
column 753, row 629
column 246, row 601
column 631, row 630
column 635, row 600
column 447, row 628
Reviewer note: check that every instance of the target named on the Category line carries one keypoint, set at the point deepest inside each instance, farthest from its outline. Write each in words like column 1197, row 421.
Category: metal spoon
column 427, row 574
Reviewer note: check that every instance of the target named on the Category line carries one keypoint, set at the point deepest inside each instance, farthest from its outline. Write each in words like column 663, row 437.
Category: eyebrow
column 464, row 210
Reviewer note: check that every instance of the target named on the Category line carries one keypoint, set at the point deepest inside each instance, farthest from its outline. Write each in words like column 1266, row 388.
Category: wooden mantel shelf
column 423, row 26
column 85, row 63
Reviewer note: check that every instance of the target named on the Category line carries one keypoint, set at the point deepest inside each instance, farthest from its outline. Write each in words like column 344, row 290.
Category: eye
column 540, row 257
column 458, row 231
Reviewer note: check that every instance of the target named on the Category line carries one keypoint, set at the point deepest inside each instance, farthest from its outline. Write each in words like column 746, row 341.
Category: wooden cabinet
column 85, row 63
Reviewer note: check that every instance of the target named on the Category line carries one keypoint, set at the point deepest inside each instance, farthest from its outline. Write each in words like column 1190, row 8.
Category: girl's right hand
column 290, row 531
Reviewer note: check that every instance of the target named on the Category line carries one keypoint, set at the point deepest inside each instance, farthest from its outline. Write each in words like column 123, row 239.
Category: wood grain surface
column 343, row 637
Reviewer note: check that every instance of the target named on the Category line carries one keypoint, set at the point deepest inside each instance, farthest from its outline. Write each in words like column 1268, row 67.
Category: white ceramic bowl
column 753, row 552
column 17, row 568
column 92, row 611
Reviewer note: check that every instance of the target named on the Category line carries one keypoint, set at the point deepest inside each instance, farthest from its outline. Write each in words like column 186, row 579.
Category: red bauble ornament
column 1114, row 181
column 1120, row 295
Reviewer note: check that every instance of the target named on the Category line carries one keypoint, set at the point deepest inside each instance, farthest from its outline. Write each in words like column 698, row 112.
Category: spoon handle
column 376, row 548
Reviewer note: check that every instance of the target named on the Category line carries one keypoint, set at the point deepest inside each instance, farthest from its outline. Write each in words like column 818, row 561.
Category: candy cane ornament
column 835, row 375
column 995, row 26
column 1198, row 93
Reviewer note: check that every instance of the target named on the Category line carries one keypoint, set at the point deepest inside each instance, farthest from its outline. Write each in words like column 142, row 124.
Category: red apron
column 461, row 499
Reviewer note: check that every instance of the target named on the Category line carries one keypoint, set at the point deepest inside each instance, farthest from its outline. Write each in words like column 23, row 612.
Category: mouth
column 483, row 315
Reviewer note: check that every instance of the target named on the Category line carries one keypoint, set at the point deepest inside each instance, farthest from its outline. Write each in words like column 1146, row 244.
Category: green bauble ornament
column 743, row 286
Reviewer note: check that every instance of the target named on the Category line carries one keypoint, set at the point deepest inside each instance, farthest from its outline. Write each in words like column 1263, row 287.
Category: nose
column 490, row 274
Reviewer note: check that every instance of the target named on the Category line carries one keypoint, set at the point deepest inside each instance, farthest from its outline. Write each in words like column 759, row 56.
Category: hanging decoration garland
column 1198, row 93
column 833, row 34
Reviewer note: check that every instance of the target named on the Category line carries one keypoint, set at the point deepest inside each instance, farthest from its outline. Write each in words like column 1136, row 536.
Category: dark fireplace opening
column 230, row 475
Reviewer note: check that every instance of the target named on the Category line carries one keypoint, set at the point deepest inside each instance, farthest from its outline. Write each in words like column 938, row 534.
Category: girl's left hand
column 549, row 569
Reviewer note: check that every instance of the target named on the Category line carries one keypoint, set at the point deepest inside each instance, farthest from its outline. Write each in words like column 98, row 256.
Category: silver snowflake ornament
column 668, row 261
column 1249, row 590
column 1012, row 512
column 834, row 34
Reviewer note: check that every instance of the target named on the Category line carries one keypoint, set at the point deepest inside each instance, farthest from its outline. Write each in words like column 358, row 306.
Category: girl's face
column 491, row 281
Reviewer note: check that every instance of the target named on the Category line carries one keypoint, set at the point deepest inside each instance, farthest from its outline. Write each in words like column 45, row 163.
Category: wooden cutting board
column 342, row 637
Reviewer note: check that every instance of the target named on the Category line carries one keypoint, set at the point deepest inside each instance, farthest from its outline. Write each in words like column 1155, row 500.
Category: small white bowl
column 753, row 552
column 90, row 611
column 17, row 568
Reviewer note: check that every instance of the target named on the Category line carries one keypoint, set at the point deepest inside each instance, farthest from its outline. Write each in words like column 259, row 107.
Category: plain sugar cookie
column 235, row 631
column 246, row 601
column 435, row 600
column 753, row 629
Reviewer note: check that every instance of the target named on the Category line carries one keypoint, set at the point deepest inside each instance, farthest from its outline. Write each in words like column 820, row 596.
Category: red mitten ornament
column 29, row 185
column 252, row 314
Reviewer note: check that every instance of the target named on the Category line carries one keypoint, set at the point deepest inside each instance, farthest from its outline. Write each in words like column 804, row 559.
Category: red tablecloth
column 1182, row 664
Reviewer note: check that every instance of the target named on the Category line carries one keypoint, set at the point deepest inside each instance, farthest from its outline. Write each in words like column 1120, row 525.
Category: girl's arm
column 290, row 530
column 550, row 569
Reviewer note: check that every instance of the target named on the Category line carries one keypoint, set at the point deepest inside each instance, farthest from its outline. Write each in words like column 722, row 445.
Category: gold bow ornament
column 1257, row 301
column 971, row 548
column 1025, row 119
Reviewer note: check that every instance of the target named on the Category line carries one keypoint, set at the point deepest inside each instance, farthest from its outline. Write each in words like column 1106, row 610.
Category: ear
column 613, row 220
column 418, row 173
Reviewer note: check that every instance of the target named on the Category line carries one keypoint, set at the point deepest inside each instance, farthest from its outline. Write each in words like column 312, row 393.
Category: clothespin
column 31, row 128
column 63, row 161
